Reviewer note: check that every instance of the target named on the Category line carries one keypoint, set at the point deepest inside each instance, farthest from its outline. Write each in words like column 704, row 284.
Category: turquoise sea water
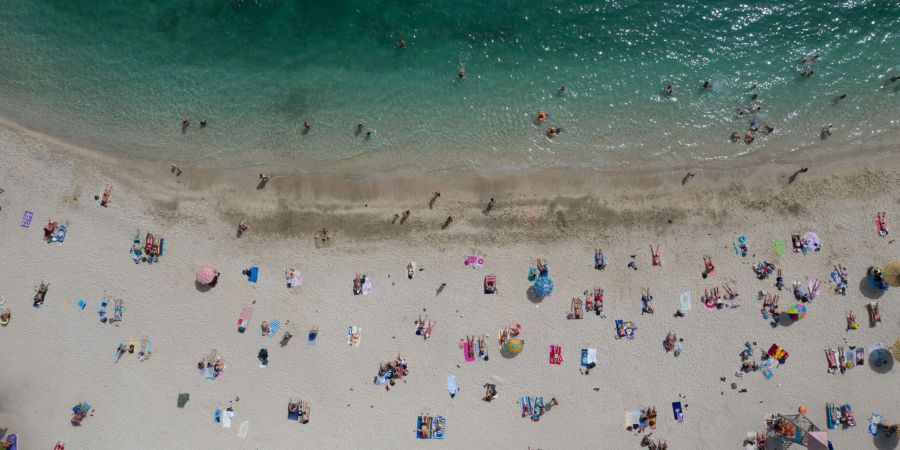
column 120, row 75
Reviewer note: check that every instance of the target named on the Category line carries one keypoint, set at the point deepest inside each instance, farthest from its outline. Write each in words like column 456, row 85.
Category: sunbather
column 874, row 317
column 796, row 242
column 5, row 316
column 654, row 256
column 49, row 230
column 669, row 342
column 599, row 260
column 482, row 349
column 410, row 270
column 598, row 302
column 265, row 328
column 779, row 281
column 708, row 268
column 851, row 321
column 357, row 284
column 588, row 301
column 304, row 412
column 293, row 408
column 542, row 268
column 104, row 201
column 646, row 302
column 429, row 327
column 490, row 391
column 79, row 412
column 471, row 341
column 881, row 222
column 41, row 293
column 575, row 309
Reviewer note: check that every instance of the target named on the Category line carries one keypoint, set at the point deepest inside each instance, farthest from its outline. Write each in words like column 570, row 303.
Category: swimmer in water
column 553, row 132
column 462, row 71
column 360, row 127
column 401, row 43
column 768, row 128
column 307, row 125
column 562, row 89
column 707, row 85
column 184, row 124
column 810, row 59
column 827, row 131
column 203, row 123
column 735, row 136
column 749, row 138
column 754, row 96
column 895, row 78
column 840, row 97
column 670, row 90
column 806, row 73
column 370, row 134
column 542, row 116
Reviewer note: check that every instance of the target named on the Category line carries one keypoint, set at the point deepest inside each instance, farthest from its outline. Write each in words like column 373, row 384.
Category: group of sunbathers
column 298, row 411
column 479, row 351
column 747, row 364
column 755, row 440
column 658, row 445
column 509, row 332
column 763, row 269
column 840, row 278
column 770, row 306
column 713, row 298
column 212, row 365
column 806, row 293
column 391, row 371
column 424, row 327
column 430, row 426
column 593, row 301
column 804, row 244
column 647, row 420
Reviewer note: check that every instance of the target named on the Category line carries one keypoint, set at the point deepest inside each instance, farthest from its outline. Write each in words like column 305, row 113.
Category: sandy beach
column 59, row 355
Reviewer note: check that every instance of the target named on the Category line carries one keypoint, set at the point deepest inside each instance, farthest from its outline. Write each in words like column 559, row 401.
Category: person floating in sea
column 462, row 71
column 401, row 43
column 360, row 127
column 553, row 131
column 735, row 136
column 184, row 124
column 810, row 59
column 840, row 97
column 562, row 89
column 707, row 85
column 306, row 126
column 895, row 78
column 827, row 131
column 806, row 74
column 670, row 90
column 203, row 122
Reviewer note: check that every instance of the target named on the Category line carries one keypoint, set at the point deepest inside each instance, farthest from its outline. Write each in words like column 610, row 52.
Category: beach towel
column 101, row 310
column 217, row 416
column 59, row 235
column 26, row 219
column 244, row 318
column 13, row 441
column 874, row 421
column 162, row 246
column 778, row 353
column 685, row 301
column 437, row 427
column 677, row 412
column 293, row 280
column 778, row 247
column 466, row 355
column 451, row 385
column 474, row 261
column 183, row 399
column 119, row 351
column 274, row 326
column 253, row 274
column 588, row 356
column 311, row 337
column 354, row 335
column 242, row 431
column 367, row 286
column 556, row 355
column 632, row 419
column 227, row 416
column 81, row 303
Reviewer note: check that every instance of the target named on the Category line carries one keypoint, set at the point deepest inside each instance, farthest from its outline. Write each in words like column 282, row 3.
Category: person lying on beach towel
column 599, row 260
column 358, row 284
column 646, row 302
column 654, row 256
column 41, row 293
column 490, row 392
column 708, row 268
column 881, row 224
column 575, row 311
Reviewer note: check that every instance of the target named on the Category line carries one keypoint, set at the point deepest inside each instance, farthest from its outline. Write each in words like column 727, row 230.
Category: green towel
column 778, row 246
column 182, row 399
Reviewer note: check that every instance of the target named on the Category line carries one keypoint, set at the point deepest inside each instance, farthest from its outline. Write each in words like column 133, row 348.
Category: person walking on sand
column 242, row 228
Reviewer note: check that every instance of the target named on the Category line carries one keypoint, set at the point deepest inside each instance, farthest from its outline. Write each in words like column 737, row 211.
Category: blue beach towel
column 81, row 303
column 438, row 424
column 274, row 326
column 60, row 234
column 677, row 412
column 217, row 416
column 253, row 274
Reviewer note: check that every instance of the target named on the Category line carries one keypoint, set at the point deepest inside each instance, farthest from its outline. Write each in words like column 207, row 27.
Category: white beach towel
column 685, row 301
column 226, row 419
column 591, row 356
column 245, row 426
column 367, row 286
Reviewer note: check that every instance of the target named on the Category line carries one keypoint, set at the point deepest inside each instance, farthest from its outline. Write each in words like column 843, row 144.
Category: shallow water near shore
column 120, row 76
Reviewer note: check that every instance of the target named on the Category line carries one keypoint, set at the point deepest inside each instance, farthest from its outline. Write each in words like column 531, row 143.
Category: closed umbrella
column 892, row 273
column 797, row 312
column 205, row 274
column 542, row 287
column 514, row 345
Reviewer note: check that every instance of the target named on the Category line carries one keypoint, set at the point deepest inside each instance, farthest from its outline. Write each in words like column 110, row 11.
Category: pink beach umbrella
column 205, row 274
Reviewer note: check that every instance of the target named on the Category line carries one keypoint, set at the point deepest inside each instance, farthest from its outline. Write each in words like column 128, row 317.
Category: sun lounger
column 244, row 318
column 274, row 326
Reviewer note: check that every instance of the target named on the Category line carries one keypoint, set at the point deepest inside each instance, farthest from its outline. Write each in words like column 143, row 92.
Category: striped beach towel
column 274, row 326
column 26, row 219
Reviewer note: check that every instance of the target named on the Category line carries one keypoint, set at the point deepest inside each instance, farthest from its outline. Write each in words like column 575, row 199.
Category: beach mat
column 242, row 431
column 778, row 247
column 588, row 356
column 274, row 326
column 26, row 219
column 677, row 412
column 350, row 332
column 244, row 318
column 438, row 425
column 685, row 301
column 183, row 399
column 253, row 274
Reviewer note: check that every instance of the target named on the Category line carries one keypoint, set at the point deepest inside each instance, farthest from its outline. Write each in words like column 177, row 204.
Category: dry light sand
column 56, row 356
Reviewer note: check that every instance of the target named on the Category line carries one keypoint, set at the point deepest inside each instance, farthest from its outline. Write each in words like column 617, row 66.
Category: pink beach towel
column 466, row 355
column 474, row 261
column 244, row 318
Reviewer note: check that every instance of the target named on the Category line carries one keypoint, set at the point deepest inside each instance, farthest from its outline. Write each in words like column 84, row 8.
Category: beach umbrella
column 818, row 440
column 514, row 345
column 892, row 273
column 895, row 349
column 811, row 238
column 880, row 356
column 205, row 274
column 797, row 312
column 542, row 287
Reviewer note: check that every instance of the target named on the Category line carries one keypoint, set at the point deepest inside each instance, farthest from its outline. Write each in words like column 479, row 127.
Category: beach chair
column 490, row 284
